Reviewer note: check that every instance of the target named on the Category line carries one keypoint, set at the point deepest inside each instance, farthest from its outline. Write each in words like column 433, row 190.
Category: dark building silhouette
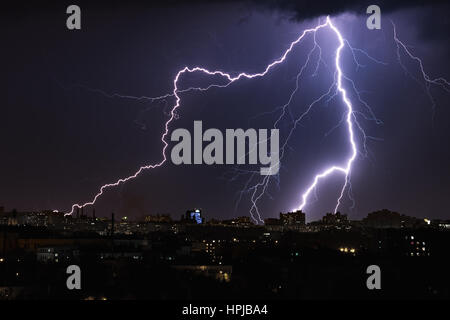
column 296, row 218
column 158, row 218
column 389, row 219
column 335, row 219
column 288, row 221
column 112, row 223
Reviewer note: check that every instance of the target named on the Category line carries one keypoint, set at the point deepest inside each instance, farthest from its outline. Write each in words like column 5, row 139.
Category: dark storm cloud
column 290, row 9
column 296, row 9
column 300, row 9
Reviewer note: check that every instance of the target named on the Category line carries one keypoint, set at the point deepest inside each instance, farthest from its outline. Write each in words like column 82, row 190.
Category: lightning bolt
column 176, row 94
column 346, row 170
column 336, row 89
column 427, row 81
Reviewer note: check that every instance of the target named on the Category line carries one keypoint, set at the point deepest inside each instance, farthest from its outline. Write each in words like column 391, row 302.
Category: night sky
column 62, row 138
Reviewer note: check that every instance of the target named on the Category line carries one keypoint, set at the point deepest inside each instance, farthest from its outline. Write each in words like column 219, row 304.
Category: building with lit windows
column 194, row 216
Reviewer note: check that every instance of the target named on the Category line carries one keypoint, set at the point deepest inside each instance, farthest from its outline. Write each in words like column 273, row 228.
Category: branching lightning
column 427, row 81
column 176, row 94
column 336, row 89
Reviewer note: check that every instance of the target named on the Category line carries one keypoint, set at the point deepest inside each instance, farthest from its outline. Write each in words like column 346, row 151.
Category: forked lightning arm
column 350, row 119
column 348, row 167
column 230, row 79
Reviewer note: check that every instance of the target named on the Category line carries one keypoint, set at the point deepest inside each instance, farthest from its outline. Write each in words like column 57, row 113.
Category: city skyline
column 167, row 217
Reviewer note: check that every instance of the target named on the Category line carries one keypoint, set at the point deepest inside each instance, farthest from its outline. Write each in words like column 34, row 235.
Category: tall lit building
column 194, row 216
